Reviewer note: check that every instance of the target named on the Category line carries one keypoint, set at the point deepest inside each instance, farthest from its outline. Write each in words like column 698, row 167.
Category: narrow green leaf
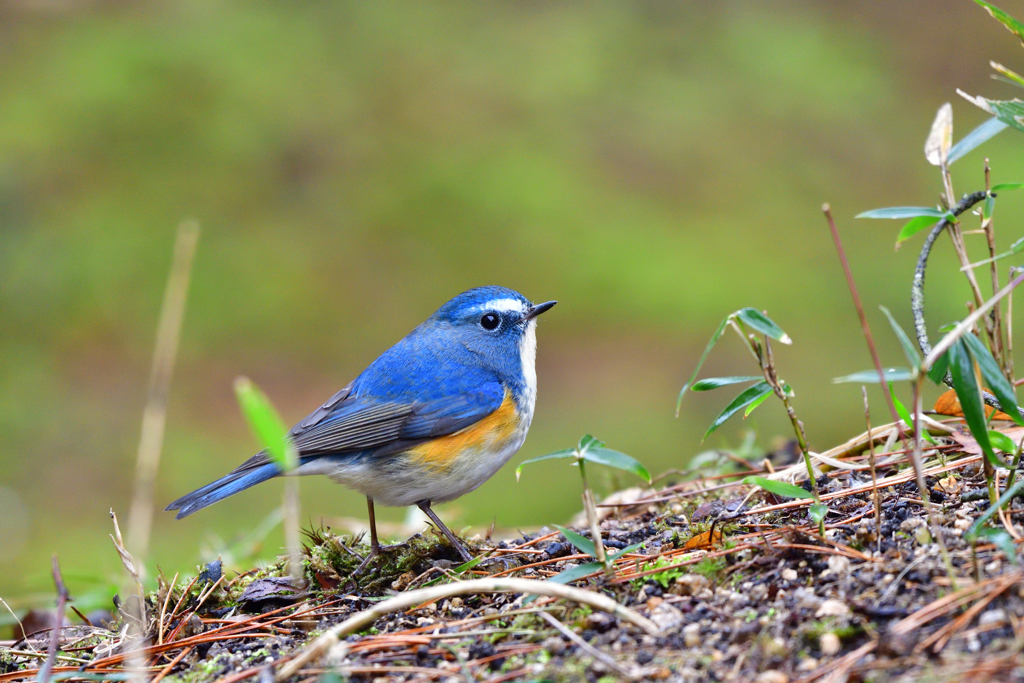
column 779, row 488
column 903, row 212
column 557, row 455
column 1004, row 187
column 568, row 576
column 817, row 511
column 987, row 208
column 1008, row 495
column 1014, row 26
column 714, row 339
column 575, row 573
column 1002, row 540
column 938, row 372
column 975, row 138
column 582, row 543
column 587, row 442
column 994, row 377
column 265, row 423
column 914, row 226
column 966, row 386
column 739, row 403
column 620, row 461
column 614, row 553
column 753, row 406
column 871, row 376
column 904, row 414
column 1002, row 442
column 759, row 322
column 909, row 350
column 1010, row 112
column 716, row 382
column 466, row 566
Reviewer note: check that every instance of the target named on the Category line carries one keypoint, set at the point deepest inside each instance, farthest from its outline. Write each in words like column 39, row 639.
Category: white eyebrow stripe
column 504, row 306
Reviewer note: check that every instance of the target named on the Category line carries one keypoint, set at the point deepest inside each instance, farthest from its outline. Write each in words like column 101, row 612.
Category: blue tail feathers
column 222, row 488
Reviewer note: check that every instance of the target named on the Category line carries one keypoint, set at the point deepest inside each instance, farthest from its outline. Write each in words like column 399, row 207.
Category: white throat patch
column 528, row 356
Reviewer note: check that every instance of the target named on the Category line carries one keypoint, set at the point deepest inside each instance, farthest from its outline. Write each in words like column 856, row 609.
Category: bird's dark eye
column 490, row 321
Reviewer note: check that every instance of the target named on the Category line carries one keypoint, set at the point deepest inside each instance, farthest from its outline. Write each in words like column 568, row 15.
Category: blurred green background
column 652, row 166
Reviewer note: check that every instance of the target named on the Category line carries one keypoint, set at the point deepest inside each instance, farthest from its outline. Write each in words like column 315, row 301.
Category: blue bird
column 433, row 418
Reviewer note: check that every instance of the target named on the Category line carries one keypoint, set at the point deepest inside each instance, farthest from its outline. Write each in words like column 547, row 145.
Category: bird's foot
column 376, row 551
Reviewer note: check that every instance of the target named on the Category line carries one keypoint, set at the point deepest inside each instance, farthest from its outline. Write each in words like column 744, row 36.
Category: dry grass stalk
column 154, row 416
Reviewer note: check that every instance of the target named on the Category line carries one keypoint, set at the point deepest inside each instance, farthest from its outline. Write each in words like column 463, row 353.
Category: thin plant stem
column 58, row 624
column 865, row 328
column 874, row 477
column 922, row 487
column 590, row 508
column 154, row 416
column 998, row 349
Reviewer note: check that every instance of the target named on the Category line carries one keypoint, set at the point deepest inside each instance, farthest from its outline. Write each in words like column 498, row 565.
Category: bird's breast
column 490, row 435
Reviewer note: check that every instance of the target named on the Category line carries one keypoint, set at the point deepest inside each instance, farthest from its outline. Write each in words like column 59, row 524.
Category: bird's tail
column 229, row 485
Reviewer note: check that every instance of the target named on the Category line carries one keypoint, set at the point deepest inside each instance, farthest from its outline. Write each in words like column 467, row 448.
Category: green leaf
column 1002, row 442
column 871, row 376
column 557, row 455
column 903, row 212
column 739, row 403
column 575, row 573
column 1010, row 112
column 915, row 226
column 994, row 377
column 1002, row 540
column 466, row 566
column 909, row 350
column 817, row 511
column 753, row 406
column 938, row 371
column 966, row 386
column 265, row 423
column 1007, row 496
column 1004, row 187
column 904, row 414
column 582, row 543
column 614, row 553
column 975, row 138
column 779, row 488
column 613, row 458
column 716, row 382
column 759, row 322
column 987, row 208
column 1014, row 26
column 714, row 339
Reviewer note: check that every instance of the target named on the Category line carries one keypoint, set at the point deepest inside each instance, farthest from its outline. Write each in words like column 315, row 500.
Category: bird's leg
column 375, row 547
column 452, row 538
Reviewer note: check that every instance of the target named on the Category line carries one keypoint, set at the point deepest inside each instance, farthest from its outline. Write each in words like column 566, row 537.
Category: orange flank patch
column 491, row 431
column 949, row 404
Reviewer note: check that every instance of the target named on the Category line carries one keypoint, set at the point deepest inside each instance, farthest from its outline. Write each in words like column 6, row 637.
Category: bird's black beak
column 535, row 310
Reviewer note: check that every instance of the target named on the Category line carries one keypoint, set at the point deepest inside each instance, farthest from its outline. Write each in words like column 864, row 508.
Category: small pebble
column 829, row 644
column 788, row 574
column 832, row 608
column 691, row 635
column 772, row 676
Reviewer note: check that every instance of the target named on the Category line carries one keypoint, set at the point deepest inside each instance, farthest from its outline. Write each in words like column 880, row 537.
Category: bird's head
column 496, row 323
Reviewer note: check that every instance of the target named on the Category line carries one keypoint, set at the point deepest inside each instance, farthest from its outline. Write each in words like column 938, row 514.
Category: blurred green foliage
column 650, row 165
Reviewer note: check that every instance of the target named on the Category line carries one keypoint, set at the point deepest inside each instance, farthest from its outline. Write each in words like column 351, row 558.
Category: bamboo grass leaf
column 716, row 382
column 739, row 403
column 994, row 377
column 266, row 423
column 714, row 339
column 909, row 350
column 903, row 212
column 975, row 138
column 871, row 376
column 759, row 322
column 915, row 226
column 779, row 488
column 966, row 386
